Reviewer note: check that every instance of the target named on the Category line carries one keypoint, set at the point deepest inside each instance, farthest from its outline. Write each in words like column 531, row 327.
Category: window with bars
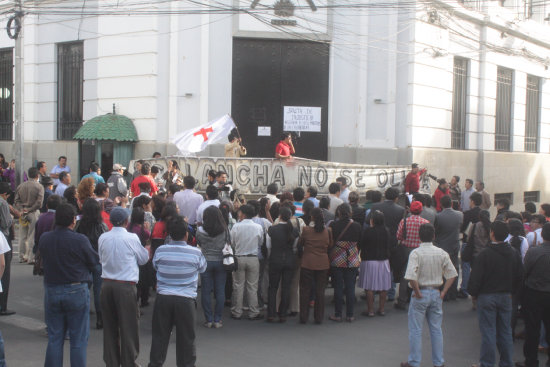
column 529, row 196
column 505, row 195
column 503, row 120
column 70, row 79
column 532, row 107
column 460, row 87
column 6, row 94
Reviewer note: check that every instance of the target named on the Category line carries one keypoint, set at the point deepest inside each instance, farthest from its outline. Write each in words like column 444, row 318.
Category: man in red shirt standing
column 412, row 181
column 285, row 148
column 145, row 177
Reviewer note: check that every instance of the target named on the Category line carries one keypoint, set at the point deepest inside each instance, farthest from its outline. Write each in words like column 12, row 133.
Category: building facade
column 459, row 87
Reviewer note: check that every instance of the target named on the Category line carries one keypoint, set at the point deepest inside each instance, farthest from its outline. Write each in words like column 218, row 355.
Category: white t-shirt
column 4, row 247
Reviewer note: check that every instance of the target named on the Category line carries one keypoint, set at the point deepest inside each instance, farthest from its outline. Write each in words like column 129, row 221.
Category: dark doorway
column 271, row 74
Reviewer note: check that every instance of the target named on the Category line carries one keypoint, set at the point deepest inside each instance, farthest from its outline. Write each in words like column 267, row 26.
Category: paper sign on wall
column 264, row 130
column 297, row 118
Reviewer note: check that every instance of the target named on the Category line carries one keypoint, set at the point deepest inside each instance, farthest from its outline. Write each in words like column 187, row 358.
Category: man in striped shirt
column 178, row 266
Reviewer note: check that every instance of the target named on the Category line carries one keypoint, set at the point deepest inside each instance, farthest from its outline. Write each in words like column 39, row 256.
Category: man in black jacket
column 496, row 273
column 536, row 298
column 470, row 216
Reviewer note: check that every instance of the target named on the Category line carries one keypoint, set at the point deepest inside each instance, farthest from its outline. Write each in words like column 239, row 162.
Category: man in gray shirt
column 246, row 238
column 447, row 232
column 334, row 196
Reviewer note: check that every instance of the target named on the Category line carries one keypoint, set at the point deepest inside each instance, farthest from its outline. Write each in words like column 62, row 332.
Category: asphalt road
column 378, row 341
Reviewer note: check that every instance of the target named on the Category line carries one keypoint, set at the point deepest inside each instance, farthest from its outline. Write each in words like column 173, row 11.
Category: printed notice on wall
column 264, row 130
column 302, row 119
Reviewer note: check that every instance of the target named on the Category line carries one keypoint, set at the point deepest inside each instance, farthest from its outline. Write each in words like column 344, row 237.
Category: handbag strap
column 344, row 231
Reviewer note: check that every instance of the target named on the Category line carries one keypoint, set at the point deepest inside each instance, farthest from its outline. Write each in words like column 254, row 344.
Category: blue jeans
column 543, row 342
column 67, row 308
column 428, row 307
column 2, row 354
column 494, row 312
column 344, row 279
column 213, row 279
column 96, row 283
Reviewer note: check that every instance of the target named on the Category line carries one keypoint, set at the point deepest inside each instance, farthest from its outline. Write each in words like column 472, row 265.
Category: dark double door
column 271, row 74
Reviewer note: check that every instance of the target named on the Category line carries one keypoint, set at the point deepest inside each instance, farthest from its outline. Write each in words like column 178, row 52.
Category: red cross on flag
column 196, row 139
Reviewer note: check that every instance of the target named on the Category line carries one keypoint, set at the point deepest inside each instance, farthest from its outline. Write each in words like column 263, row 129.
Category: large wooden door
column 271, row 74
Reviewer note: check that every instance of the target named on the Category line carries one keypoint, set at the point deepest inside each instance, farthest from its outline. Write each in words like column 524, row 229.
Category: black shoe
column 7, row 313
column 462, row 295
column 257, row 317
column 400, row 306
column 99, row 321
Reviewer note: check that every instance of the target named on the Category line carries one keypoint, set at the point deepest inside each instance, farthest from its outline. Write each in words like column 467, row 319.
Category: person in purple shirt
column 46, row 221
column 9, row 173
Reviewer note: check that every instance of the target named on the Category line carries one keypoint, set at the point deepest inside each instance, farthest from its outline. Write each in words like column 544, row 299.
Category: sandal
column 367, row 313
column 335, row 318
column 380, row 313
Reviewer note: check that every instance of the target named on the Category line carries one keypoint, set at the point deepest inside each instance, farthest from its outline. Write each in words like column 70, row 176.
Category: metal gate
column 271, row 74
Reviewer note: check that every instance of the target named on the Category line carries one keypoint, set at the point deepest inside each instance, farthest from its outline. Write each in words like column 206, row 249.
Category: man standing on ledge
column 412, row 181
column 285, row 148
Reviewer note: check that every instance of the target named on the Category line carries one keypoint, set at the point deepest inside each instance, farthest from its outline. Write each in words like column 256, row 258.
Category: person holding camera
column 224, row 187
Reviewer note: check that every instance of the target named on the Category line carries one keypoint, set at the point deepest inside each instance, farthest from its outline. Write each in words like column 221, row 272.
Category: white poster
column 264, row 130
column 297, row 118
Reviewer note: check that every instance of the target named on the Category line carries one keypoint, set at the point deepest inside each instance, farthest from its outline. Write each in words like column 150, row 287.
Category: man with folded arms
column 425, row 271
column 120, row 253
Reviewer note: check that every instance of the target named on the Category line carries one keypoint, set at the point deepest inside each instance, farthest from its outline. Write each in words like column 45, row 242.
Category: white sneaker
column 207, row 325
column 217, row 325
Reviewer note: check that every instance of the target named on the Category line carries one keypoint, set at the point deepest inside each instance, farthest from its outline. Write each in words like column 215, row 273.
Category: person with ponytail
column 282, row 260
column 316, row 240
column 374, row 272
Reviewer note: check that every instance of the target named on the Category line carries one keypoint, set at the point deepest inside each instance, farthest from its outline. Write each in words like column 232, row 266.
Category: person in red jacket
column 442, row 190
column 412, row 181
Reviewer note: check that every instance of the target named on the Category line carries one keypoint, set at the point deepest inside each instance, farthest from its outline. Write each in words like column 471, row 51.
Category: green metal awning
column 108, row 127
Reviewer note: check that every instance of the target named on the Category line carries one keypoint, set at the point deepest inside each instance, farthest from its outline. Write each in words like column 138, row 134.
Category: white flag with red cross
column 198, row 138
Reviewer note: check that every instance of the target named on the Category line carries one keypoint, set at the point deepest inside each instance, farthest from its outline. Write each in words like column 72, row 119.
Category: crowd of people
column 120, row 242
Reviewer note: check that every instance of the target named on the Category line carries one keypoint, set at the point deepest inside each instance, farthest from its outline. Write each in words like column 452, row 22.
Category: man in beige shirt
column 28, row 200
column 234, row 149
column 425, row 271
column 485, row 197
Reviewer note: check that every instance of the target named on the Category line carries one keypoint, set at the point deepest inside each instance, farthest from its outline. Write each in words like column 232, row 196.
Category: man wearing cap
column 407, row 233
column 28, row 200
column 447, row 236
column 68, row 258
column 117, row 183
column 120, row 254
column 47, row 182
column 412, row 181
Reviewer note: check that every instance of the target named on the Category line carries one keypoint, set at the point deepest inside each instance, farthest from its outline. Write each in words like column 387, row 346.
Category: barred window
column 505, row 195
column 532, row 113
column 460, row 87
column 70, row 79
column 533, row 196
column 6, row 94
column 503, row 121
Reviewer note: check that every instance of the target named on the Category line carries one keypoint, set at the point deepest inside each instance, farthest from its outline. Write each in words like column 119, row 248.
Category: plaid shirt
column 413, row 225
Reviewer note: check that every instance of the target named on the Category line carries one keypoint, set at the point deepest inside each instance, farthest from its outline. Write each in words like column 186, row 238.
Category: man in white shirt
column 272, row 190
column 188, row 201
column 344, row 191
column 534, row 238
column 425, row 271
column 64, row 182
column 212, row 199
column 465, row 195
column 61, row 166
column 120, row 254
column 246, row 238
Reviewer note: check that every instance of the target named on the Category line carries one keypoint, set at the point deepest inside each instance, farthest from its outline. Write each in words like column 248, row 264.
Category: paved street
column 379, row 341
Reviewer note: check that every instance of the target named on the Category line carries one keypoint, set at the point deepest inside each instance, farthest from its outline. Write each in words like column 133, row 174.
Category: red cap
column 416, row 207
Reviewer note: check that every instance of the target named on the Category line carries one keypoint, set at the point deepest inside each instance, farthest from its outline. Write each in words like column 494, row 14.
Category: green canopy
column 108, row 127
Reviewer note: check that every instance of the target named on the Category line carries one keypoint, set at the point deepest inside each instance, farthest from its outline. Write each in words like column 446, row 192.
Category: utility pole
column 18, row 98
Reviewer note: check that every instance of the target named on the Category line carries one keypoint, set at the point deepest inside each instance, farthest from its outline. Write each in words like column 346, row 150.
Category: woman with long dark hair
column 138, row 226
column 282, row 261
column 91, row 225
column 307, row 207
column 315, row 240
column 374, row 272
column 212, row 237
column 344, row 261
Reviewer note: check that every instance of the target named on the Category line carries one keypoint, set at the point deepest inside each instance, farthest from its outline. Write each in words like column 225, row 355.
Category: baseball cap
column 118, row 166
column 118, row 215
column 416, row 207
